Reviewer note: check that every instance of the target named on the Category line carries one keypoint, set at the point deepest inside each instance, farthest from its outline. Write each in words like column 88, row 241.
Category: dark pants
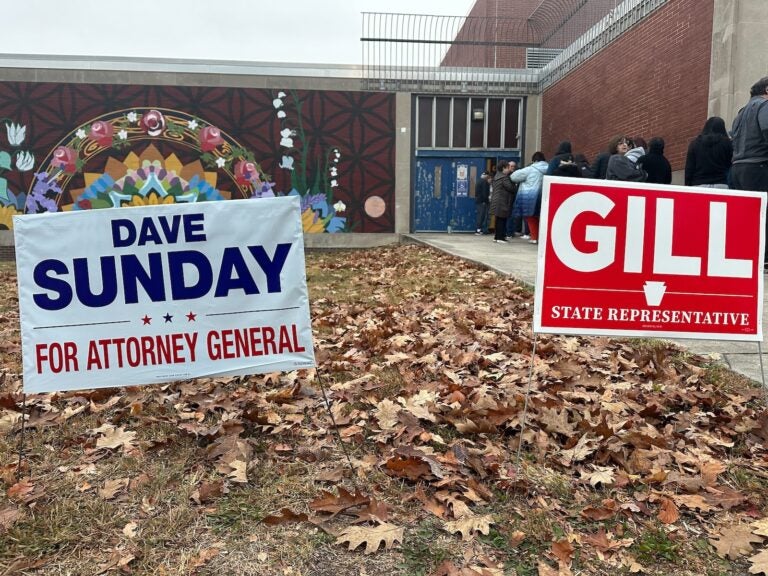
column 501, row 228
column 482, row 217
column 751, row 177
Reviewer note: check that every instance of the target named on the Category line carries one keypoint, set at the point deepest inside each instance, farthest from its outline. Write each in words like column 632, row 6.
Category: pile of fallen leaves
column 636, row 457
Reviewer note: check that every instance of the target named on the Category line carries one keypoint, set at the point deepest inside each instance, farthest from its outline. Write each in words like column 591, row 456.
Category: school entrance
column 456, row 139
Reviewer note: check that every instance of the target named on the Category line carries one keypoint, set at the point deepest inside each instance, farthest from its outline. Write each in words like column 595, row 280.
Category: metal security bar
column 490, row 54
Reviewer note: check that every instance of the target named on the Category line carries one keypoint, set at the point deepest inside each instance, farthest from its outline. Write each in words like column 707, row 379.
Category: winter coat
column 502, row 196
column 656, row 165
column 563, row 150
column 530, row 179
column 708, row 160
column 624, row 167
column 483, row 191
column 600, row 167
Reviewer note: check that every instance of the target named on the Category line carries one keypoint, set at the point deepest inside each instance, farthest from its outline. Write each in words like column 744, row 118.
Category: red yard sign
column 631, row 259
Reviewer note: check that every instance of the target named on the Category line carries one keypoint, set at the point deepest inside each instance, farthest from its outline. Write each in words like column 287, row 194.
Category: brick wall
column 651, row 81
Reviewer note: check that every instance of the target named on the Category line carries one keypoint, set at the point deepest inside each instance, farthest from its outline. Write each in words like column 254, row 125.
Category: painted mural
column 86, row 147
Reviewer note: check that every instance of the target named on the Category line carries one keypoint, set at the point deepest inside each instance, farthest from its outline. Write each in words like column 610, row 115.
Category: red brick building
column 651, row 79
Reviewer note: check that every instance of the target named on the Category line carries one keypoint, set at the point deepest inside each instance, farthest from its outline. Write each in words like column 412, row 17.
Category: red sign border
column 638, row 187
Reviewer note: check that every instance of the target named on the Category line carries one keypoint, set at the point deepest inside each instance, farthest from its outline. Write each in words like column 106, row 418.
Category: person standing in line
column 530, row 181
column 655, row 163
column 622, row 163
column 514, row 224
column 600, row 165
column 563, row 150
column 750, row 145
column 709, row 156
column 502, row 197
column 482, row 203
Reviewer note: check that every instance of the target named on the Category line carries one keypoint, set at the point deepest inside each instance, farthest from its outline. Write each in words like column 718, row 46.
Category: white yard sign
column 153, row 294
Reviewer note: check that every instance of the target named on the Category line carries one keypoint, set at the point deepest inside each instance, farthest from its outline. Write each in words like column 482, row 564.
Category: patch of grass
column 61, row 526
column 520, row 559
column 724, row 379
column 421, row 551
column 654, row 545
column 237, row 511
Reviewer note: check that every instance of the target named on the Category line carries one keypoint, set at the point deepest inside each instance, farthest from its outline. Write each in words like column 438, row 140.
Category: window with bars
column 463, row 122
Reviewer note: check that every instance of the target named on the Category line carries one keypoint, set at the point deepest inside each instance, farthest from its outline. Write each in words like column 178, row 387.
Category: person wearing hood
column 622, row 164
column 563, row 150
column 709, row 156
column 502, row 197
column 530, row 179
column 655, row 164
column 482, row 203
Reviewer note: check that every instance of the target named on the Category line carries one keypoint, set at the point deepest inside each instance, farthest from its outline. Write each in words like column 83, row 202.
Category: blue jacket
column 530, row 179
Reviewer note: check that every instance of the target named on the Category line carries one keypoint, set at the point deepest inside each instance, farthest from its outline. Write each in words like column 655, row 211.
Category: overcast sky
column 326, row 31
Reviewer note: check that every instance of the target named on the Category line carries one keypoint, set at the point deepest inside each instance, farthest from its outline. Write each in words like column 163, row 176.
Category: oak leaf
column 386, row 414
column 759, row 563
column 333, row 504
column 668, row 512
column 760, row 527
column 583, row 448
column 371, row 536
column 286, row 515
column 563, row 551
column 115, row 437
column 602, row 475
column 692, row 501
column 734, row 541
column 130, row 530
column 208, row 491
column 8, row 517
column 239, row 472
column 470, row 525
column 555, row 421
column 112, row 487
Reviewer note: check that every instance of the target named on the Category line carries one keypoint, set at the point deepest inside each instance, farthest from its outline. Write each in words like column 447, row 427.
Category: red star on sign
column 147, row 320
column 191, row 317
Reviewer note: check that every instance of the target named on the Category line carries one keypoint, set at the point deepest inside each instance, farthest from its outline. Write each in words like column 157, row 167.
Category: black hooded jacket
column 655, row 164
column 708, row 159
column 563, row 150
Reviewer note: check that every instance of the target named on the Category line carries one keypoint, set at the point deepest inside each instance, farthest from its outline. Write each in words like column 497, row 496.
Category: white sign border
column 659, row 334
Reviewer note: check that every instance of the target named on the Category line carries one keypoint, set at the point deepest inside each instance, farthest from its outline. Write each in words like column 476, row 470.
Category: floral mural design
column 318, row 212
column 13, row 157
column 144, row 145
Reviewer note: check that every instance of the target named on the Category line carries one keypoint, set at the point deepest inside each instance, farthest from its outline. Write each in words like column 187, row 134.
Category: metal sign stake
column 525, row 407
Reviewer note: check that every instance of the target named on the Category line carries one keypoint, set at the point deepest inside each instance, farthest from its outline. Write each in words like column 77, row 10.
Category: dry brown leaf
column 333, row 504
column 208, row 491
column 130, row 530
column 371, row 536
column 115, row 437
column 239, row 471
column 204, row 557
column 601, row 475
column 470, row 525
column 8, row 517
column 668, row 512
column 286, row 515
column 759, row 563
column 563, row 551
column 760, row 527
column 386, row 414
column 21, row 490
column 112, row 487
column 554, row 421
column 692, row 501
column 734, row 541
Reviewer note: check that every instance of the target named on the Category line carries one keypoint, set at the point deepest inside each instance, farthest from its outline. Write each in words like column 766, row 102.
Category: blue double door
column 444, row 191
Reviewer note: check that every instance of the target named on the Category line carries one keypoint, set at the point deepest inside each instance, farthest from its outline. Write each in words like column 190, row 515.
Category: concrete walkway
column 517, row 259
